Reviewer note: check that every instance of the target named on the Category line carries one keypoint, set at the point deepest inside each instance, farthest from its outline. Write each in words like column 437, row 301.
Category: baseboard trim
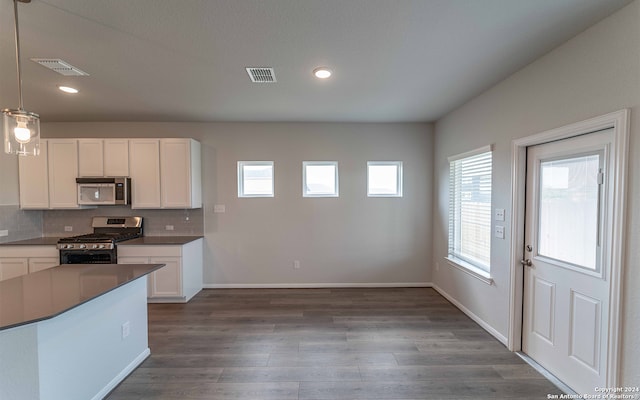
column 313, row 285
column 475, row 318
column 122, row 375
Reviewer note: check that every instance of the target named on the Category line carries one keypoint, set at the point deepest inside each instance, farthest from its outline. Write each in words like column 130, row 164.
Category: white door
column 567, row 284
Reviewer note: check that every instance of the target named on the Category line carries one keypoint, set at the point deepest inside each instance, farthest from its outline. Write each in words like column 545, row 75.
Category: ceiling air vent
column 60, row 66
column 261, row 74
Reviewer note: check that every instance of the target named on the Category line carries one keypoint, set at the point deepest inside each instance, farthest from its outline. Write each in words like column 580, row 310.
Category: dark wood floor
column 315, row 344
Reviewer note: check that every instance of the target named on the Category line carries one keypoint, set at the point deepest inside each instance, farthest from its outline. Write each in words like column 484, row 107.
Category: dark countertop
column 145, row 240
column 159, row 240
column 46, row 294
column 41, row 241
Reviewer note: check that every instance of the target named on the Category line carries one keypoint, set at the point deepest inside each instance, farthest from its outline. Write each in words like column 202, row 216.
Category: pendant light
column 21, row 128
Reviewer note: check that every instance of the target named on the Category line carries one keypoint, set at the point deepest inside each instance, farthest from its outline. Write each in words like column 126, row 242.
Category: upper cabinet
column 165, row 173
column 144, row 166
column 63, row 170
column 49, row 180
column 103, row 157
column 34, row 180
column 180, row 174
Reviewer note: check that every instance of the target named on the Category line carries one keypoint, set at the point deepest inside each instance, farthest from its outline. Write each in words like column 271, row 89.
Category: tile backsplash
column 19, row 224
column 184, row 222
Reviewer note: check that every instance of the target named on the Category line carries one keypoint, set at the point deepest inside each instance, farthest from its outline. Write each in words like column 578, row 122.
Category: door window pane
column 569, row 202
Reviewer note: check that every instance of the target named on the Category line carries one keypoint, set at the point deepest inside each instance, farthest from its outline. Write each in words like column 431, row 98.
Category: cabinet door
column 90, row 157
column 144, row 165
column 34, row 180
column 116, row 157
column 13, row 267
column 41, row 263
column 63, row 171
column 175, row 167
column 167, row 281
column 138, row 260
column 180, row 173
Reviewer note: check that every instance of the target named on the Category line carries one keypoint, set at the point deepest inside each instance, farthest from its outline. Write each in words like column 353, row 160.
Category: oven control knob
column 101, row 246
column 68, row 246
column 83, row 246
column 95, row 246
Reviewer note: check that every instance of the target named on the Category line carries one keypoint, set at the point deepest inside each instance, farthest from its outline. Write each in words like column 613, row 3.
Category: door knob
column 526, row 262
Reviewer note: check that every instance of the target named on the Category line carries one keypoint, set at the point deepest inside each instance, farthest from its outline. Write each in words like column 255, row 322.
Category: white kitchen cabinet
column 144, row 167
column 181, row 277
column 180, row 172
column 13, row 267
column 41, row 263
column 116, row 157
column 90, row 157
column 63, row 171
column 34, row 180
column 23, row 259
column 103, row 157
column 48, row 181
column 165, row 173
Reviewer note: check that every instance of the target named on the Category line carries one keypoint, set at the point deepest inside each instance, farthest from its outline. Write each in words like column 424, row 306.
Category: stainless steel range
column 99, row 247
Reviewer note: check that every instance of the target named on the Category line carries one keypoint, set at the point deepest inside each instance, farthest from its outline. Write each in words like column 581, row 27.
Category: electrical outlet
column 68, row 228
column 296, row 264
column 219, row 208
column 499, row 214
column 499, row 231
column 4, row 232
column 126, row 329
column 168, row 227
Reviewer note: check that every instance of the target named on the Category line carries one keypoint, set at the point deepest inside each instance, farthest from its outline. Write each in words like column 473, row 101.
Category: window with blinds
column 470, row 207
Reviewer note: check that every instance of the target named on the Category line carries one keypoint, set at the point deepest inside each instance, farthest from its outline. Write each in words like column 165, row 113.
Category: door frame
column 619, row 122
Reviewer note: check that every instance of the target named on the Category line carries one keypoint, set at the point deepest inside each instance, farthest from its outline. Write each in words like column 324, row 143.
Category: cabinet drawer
column 26, row 251
column 149, row 251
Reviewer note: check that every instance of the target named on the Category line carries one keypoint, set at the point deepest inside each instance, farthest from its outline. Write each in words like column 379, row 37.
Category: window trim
column 305, row 193
column 476, row 269
column 241, row 165
column 399, row 183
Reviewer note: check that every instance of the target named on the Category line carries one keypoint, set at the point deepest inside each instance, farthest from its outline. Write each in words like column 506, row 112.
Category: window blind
column 470, row 209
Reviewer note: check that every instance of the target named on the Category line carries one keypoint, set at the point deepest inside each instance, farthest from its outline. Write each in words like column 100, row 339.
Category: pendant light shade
column 21, row 132
column 21, row 128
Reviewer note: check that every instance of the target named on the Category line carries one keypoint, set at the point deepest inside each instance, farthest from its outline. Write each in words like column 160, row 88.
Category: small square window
column 255, row 178
column 384, row 178
column 320, row 179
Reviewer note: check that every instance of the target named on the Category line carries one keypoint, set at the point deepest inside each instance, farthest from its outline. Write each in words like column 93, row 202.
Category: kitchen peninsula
column 73, row 331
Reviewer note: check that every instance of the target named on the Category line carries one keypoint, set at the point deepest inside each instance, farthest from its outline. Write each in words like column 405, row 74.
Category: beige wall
column 595, row 73
column 345, row 240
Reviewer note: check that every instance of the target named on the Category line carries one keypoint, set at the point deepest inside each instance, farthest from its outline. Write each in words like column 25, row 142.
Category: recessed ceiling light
column 68, row 89
column 322, row 72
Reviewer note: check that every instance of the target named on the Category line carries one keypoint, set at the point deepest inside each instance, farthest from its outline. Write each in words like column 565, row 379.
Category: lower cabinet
column 21, row 260
column 41, row 263
column 13, row 268
column 181, row 277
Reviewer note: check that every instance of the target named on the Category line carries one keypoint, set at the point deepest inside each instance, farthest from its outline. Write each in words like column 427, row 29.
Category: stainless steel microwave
column 104, row 191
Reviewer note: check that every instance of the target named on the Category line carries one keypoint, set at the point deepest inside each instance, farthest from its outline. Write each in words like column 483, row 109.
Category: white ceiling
column 184, row 60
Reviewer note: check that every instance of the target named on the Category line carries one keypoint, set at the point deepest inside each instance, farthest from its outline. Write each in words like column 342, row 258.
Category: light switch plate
column 4, row 232
column 499, row 231
column 168, row 227
column 499, row 214
column 68, row 228
column 219, row 208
